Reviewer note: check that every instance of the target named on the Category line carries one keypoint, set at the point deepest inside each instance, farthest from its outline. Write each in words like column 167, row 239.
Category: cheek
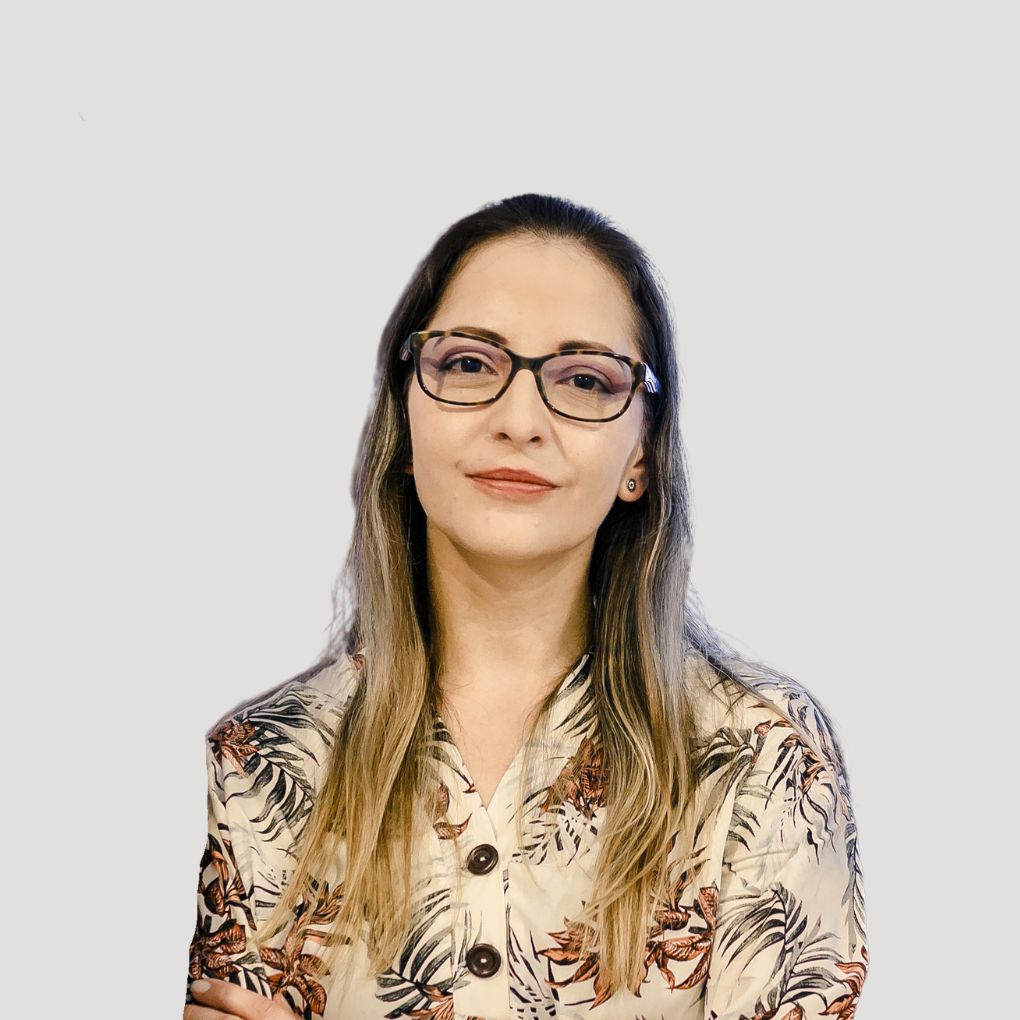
column 596, row 488
column 436, row 445
column 425, row 432
column 600, row 463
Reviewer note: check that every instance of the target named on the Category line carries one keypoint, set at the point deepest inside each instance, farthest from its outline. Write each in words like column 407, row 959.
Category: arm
column 220, row 947
column 789, row 940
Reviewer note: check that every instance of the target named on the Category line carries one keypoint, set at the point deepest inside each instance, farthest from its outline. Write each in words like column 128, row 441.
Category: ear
column 637, row 469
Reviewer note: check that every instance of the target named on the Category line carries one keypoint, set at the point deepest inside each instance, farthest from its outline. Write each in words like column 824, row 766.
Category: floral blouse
column 769, row 922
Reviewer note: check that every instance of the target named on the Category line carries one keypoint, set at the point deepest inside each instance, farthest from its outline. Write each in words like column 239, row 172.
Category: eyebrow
column 563, row 345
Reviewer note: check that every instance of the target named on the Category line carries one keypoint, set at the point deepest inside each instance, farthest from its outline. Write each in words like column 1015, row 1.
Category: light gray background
column 208, row 211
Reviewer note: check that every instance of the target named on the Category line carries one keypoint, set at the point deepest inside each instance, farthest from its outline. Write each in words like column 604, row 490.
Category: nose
column 521, row 407
column 527, row 388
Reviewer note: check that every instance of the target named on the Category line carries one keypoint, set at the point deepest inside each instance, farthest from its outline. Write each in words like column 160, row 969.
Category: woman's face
column 534, row 294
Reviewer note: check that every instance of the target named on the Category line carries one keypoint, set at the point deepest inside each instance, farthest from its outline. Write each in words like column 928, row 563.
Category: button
column 482, row 859
column 483, row 960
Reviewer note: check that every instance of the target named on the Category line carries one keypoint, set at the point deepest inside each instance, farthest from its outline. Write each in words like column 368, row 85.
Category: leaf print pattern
column 695, row 946
column 445, row 753
column 568, row 953
column 273, row 745
column 564, row 814
column 562, row 817
column 527, row 981
column 445, row 829
column 766, row 919
column 220, row 943
column 580, row 782
column 297, row 971
column 787, row 931
column 419, row 986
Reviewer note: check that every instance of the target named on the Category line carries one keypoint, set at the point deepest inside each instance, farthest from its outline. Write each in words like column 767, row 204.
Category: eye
column 598, row 382
column 585, row 378
column 461, row 359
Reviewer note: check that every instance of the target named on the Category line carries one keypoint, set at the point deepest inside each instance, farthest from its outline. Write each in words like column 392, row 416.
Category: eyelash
column 455, row 358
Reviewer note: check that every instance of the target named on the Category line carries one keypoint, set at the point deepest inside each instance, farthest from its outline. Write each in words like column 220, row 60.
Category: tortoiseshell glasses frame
column 641, row 371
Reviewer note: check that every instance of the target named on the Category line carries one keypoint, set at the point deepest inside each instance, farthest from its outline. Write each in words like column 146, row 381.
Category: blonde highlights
column 654, row 655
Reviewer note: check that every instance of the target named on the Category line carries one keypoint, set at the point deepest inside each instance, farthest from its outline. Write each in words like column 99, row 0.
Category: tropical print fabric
column 767, row 922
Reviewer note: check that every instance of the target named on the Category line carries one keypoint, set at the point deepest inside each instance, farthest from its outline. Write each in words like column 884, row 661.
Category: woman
column 527, row 779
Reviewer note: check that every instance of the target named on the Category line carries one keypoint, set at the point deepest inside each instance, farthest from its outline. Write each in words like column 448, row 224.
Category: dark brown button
column 483, row 960
column 482, row 859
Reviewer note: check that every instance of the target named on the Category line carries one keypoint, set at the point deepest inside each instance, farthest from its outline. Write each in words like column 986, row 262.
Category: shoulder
column 745, row 698
column 766, row 735
column 288, row 728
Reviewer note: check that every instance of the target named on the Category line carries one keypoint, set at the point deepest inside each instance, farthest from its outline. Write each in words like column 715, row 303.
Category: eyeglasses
column 469, row 369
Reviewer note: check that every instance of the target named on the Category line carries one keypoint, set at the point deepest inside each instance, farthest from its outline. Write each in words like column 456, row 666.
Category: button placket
column 485, row 990
column 481, row 934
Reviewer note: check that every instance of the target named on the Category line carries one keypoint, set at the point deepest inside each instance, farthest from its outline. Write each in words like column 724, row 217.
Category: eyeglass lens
column 466, row 371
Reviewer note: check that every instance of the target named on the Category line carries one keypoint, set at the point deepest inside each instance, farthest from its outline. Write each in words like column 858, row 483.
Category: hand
column 223, row 1000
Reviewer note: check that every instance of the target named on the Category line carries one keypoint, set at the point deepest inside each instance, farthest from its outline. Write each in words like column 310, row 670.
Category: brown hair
column 652, row 645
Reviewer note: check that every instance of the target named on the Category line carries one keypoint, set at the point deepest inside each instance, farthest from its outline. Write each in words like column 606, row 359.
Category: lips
column 514, row 475
column 512, row 489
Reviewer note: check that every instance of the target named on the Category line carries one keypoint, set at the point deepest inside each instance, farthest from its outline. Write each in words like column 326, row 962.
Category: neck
column 506, row 632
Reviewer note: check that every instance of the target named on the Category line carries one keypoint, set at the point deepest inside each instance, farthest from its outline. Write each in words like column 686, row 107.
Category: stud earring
column 631, row 484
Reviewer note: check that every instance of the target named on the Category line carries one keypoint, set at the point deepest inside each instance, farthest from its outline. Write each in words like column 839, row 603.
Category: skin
column 226, row 1001
column 509, row 579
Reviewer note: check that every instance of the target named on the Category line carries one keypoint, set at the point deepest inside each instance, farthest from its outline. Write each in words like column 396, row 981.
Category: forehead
column 536, row 293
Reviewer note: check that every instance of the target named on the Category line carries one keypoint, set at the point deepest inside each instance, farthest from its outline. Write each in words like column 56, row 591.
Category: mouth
column 511, row 487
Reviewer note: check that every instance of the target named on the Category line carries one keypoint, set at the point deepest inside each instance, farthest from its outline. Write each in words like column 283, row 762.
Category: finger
column 192, row 1012
column 233, row 1002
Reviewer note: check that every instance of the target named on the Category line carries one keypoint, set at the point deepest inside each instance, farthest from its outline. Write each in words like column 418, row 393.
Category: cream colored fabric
column 769, row 921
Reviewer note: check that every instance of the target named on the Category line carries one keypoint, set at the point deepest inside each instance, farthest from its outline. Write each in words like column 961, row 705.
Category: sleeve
column 221, row 946
column 790, row 939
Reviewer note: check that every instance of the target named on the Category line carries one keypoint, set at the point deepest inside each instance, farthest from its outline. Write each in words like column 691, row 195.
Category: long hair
column 649, row 631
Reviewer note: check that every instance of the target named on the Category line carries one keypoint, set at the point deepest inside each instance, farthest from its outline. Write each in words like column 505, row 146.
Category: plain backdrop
column 208, row 212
